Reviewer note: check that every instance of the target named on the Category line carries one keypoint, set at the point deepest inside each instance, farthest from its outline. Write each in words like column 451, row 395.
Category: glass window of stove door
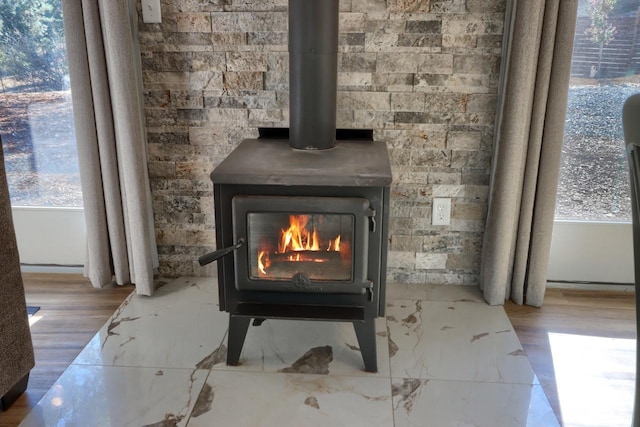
column 281, row 245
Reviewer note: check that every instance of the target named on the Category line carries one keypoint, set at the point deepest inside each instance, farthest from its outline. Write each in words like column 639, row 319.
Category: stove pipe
column 313, row 73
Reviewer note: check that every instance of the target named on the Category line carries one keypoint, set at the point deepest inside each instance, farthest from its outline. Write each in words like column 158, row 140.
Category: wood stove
column 302, row 215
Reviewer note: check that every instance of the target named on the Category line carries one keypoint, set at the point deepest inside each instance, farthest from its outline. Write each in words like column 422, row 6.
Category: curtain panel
column 528, row 145
column 106, row 87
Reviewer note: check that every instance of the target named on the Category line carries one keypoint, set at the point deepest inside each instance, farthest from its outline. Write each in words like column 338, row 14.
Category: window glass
column 594, row 176
column 36, row 116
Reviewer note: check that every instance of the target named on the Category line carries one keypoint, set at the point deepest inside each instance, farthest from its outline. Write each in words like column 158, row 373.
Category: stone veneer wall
column 422, row 74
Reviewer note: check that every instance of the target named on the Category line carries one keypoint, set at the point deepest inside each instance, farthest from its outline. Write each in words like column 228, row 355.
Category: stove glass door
column 281, row 245
column 301, row 243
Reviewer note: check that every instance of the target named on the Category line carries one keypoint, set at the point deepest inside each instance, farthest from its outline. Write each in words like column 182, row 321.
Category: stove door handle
column 215, row 255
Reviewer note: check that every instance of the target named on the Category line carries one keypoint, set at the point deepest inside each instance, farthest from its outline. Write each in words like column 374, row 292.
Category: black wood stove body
column 303, row 220
column 262, row 191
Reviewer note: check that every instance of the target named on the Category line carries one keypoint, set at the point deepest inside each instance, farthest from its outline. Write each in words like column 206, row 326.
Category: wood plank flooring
column 607, row 314
column 72, row 312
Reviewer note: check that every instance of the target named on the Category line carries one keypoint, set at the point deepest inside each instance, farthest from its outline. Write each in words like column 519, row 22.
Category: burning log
column 306, row 256
column 313, row 270
column 317, row 265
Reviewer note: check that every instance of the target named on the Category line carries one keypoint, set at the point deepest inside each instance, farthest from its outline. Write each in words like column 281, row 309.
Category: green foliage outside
column 32, row 50
column 601, row 31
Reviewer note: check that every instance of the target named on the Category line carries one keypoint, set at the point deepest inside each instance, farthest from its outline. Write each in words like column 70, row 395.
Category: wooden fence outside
column 620, row 58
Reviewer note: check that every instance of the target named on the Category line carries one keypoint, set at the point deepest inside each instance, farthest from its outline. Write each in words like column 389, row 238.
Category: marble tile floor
column 445, row 358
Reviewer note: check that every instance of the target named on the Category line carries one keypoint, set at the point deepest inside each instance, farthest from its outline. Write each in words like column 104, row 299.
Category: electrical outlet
column 441, row 214
column 151, row 12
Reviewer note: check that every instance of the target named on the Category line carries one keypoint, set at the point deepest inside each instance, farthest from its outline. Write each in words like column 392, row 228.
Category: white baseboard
column 588, row 286
column 55, row 269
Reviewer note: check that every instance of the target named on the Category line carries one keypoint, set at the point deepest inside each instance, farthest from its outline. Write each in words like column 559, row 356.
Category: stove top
column 274, row 162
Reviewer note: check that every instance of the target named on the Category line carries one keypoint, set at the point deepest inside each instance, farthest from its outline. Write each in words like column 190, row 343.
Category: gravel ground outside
column 41, row 158
column 594, row 174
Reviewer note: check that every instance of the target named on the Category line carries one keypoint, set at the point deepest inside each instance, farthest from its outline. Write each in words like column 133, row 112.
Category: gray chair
column 631, row 124
column 16, row 348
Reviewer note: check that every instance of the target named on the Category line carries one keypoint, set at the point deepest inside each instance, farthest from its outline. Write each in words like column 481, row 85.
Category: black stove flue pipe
column 313, row 71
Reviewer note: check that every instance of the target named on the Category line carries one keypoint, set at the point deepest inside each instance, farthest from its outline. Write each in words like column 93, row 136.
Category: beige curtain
column 104, row 67
column 526, row 163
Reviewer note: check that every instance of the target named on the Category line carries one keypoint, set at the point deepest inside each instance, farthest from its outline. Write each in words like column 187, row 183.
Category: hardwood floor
column 71, row 312
column 604, row 314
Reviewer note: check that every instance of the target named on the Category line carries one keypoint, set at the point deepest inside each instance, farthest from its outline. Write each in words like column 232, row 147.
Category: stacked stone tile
column 422, row 74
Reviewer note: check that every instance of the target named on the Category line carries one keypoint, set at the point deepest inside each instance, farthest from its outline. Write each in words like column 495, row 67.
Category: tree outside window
column 32, row 51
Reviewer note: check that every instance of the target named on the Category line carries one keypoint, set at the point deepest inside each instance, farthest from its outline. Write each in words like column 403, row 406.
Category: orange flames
column 296, row 241
column 263, row 262
column 299, row 238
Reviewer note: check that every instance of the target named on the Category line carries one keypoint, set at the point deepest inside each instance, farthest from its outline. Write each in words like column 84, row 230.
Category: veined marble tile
column 454, row 403
column 118, row 396
column 252, row 399
column 178, row 327
column 187, row 287
column 406, row 291
column 454, row 293
column 463, row 341
column 148, row 365
column 314, row 347
column 451, row 293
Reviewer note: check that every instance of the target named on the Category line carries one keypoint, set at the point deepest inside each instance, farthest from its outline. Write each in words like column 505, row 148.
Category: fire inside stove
column 316, row 245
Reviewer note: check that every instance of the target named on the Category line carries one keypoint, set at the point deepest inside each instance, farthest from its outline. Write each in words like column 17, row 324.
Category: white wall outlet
column 151, row 12
column 441, row 213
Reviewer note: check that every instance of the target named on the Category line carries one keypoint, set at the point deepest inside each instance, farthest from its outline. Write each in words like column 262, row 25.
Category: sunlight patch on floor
column 34, row 319
column 595, row 379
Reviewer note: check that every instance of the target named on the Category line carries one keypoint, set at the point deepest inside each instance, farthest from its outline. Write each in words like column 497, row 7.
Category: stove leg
column 366, row 333
column 238, row 327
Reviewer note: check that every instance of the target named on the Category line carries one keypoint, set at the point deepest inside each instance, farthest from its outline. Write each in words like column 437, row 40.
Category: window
column 36, row 116
column 594, row 176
